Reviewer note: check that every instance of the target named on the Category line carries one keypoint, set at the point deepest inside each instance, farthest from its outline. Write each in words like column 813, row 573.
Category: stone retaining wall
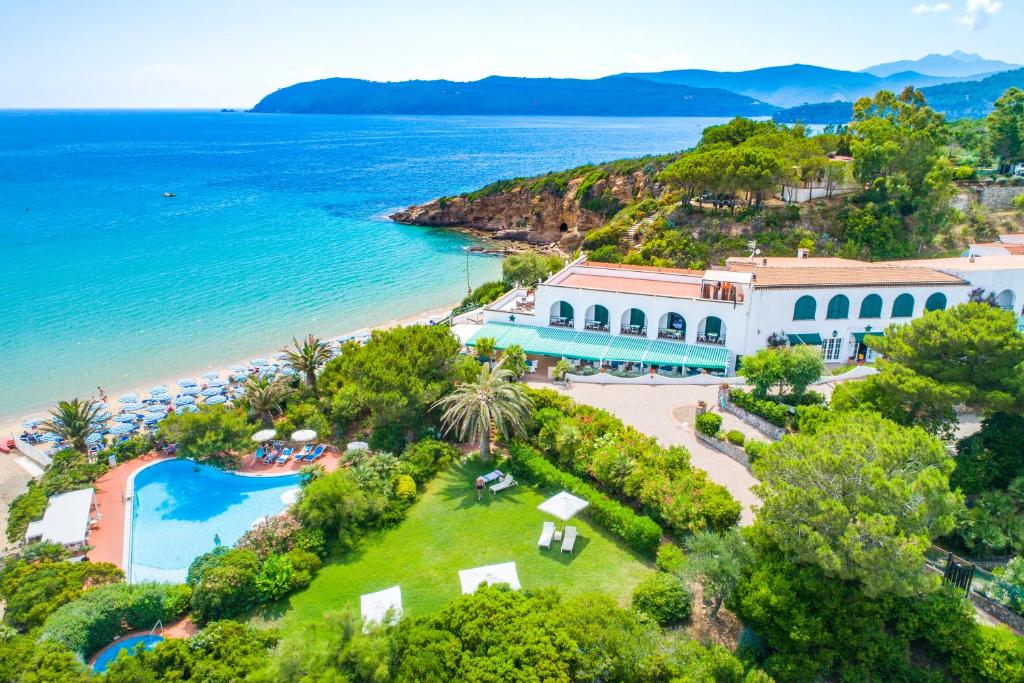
column 762, row 425
column 1000, row 198
column 731, row 450
column 999, row 611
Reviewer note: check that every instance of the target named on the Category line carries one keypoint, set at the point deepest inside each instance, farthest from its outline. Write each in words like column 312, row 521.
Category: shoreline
column 10, row 425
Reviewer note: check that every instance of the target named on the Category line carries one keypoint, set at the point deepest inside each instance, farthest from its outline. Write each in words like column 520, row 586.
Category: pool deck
column 107, row 538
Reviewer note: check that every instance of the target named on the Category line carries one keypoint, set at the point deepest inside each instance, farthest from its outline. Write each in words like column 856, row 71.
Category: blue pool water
column 181, row 508
column 276, row 230
column 110, row 654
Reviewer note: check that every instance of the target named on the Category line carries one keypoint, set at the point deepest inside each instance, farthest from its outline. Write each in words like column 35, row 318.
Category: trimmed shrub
column 274, row 535
column 405, row 487
column 708, row 424
column 423, row 459
column 305, row 564
column 670, row 558
column 776, row 413
column 177, row 600
column 226, row 585
column 312, row 541
column 641, row 533
column 665, row 598
column 735, row 437
column 755, row 449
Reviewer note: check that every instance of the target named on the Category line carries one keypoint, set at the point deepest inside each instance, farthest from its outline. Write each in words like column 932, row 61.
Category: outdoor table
column 557, row 535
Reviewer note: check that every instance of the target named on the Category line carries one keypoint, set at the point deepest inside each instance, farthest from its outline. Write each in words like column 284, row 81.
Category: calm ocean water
column 276, row 230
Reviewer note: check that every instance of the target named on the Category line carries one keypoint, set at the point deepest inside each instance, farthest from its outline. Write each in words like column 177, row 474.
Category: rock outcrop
column 529, row 211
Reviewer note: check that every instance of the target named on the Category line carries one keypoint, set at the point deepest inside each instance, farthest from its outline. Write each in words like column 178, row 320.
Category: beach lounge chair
column 547, row 532
column 270, row 457
column 506, row 483
column 285, row 456
column 317, row 452
column 569, row 539
column 306, row 450
column 259, row 454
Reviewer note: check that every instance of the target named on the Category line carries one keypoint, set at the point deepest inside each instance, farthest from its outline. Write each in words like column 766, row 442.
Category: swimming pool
column 110, row 654
column 182, row 509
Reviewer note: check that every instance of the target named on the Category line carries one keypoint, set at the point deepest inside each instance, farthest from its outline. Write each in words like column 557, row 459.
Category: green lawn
column 448, row 530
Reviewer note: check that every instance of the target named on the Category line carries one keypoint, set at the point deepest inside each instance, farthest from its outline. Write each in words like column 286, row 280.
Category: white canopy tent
column 489, row 574
column 563, row 505
column 66, row 520
column 375, row 606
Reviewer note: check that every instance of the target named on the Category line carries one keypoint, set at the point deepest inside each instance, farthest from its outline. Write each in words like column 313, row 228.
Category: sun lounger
column 317, row 452
column 285, row 456
column 270, row 457
column 569, row 539
column 259, row 454
column 492, row 476
column 547, row 532
column 306, row 450
column 507, row 482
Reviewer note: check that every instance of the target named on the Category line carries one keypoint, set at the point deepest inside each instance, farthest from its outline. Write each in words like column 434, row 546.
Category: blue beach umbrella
column 152, row 419
column 211, row 375
column 239, row 391
column 126, row 417
column 291, row 372
column 132, row 407
column 94, row 438
column 129, row 398
column 219, row 398
column 189, row 391
column 160, row 389
column 191, row 408
column 30, row 424
column 212, row 391
column 102, row 405
column 186, row 382
column 238, row 368
column 156, row 408
column 216, row 382
column 123, row 428
column 50, row 437
column 258, row 362
column 184, row 400
column 280, row 355
column 104, row 416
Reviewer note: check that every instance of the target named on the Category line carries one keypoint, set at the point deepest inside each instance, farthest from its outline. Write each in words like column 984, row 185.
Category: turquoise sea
column 277, row 229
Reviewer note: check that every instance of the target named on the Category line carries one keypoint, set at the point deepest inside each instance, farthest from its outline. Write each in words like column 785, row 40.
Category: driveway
column 667, row 413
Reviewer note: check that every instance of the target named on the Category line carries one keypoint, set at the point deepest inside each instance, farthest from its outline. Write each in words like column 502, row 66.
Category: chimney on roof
column 803, row 252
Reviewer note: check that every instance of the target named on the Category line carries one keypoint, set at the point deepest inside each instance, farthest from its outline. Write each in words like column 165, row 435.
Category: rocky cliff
column 554, row 209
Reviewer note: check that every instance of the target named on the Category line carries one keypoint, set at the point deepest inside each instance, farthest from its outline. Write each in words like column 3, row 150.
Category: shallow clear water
column 129, row 643
column 276, row 230
column 181, row 508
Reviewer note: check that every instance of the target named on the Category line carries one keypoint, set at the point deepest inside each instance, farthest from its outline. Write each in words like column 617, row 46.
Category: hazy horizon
column 114, row 54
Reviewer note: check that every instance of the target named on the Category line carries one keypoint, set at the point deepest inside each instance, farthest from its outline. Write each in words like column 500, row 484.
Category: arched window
column 562, row 314
column 672, row 326
column 634, row 321
column 711, row 330
column 597, row 318
column 838, row 308
column 903, row 307
column 1005, row 299
column 871, row 307
column 805, row 308
column 936, row 302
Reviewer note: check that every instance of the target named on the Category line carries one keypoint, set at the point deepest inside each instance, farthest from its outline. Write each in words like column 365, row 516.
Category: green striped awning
column 811, row 339
column 598, row 346
column 859, row 336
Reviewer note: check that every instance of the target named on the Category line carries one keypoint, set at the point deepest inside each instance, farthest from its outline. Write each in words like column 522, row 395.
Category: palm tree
column 73, row 421
column 265, row 397
column 308, row 357
column 491, row 401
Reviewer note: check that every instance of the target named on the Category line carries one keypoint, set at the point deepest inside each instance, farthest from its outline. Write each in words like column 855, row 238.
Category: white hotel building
column 704, row 321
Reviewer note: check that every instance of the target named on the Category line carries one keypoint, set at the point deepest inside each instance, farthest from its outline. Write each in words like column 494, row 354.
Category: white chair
column 507, row 482
column 547, row 532
column 569, row 539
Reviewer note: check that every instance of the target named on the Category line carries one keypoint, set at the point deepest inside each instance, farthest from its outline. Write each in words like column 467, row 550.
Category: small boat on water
column 168, row 194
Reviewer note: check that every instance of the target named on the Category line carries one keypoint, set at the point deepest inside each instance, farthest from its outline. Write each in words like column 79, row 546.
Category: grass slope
column 448, row 530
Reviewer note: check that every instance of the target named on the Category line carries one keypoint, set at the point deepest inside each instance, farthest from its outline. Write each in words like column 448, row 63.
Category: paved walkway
column 14, row 479
column 667, row 413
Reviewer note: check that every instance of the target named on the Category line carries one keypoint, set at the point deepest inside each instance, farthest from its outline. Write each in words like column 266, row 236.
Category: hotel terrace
column 686, row 322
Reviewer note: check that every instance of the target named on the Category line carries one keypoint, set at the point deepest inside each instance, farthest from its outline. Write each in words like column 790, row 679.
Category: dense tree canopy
column 1006, row 127
column 216, row 434
column 859, row 496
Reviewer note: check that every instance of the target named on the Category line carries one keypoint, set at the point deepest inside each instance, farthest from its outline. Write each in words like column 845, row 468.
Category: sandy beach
column 11, row 424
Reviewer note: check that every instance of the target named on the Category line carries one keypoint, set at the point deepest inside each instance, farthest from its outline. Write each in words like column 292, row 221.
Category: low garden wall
column 999, row 611
column 733, row 451
column 653, row 380
column 756, row 421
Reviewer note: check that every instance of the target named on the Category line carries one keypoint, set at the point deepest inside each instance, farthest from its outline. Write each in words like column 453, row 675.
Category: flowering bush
column 274, row 535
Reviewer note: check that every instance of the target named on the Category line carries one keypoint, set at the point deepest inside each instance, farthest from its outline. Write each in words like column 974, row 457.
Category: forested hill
column 610, row 96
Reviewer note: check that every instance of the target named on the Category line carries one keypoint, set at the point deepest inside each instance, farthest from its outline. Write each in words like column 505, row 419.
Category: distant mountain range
column 963, row 100
column 687, row 92
column 609, row 96
column 955, row 64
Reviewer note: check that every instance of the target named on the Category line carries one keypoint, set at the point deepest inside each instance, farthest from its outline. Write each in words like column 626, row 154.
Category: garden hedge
column 776, row 413
column 641, row 533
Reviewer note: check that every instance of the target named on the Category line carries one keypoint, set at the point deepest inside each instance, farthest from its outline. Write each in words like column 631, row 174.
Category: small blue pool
column 110, row 654
column 182, row 509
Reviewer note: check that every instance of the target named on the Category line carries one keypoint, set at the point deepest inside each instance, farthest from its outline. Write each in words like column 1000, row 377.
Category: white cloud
column 977, row 12
column 925, row 8
column 663, row 62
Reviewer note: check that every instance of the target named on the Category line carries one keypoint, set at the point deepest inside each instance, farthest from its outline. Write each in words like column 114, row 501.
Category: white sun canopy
column 375, row 606
column 66, row 520
column 489, row 574
column 563, row 505
column 304, row 435
column 264, row 435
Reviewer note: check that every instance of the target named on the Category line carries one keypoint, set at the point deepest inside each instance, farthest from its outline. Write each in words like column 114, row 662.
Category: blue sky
column 214, row 53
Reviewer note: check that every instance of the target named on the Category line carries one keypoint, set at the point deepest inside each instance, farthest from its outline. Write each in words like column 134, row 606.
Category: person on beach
column 479, row 488
column 103, row 394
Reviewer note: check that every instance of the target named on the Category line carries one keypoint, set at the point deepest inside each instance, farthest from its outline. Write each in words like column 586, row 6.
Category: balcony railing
column 597, row 326
column 558, row 321
column 634, row 330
